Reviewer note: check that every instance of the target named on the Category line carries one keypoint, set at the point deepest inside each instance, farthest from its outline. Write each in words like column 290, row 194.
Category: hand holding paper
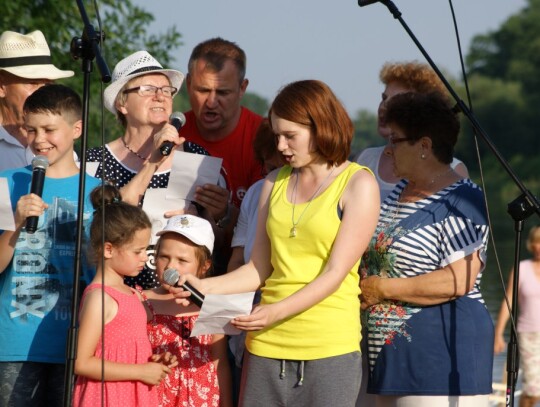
column 218, row 311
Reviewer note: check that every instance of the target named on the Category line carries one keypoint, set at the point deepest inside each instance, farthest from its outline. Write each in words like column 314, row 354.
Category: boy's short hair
column 55, row 99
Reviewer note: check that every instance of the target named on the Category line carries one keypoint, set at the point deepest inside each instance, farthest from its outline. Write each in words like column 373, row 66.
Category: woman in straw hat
column 25, row 65
column 141, row 96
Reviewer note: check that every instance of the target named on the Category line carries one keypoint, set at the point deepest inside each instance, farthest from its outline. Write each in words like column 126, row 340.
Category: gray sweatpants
column 333, row 381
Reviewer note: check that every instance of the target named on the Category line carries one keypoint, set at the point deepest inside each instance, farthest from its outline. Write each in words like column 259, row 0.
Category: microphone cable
column 480, row 167
column 103, row 208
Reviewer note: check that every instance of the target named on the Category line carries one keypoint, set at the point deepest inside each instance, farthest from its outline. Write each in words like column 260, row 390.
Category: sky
column 335, row 41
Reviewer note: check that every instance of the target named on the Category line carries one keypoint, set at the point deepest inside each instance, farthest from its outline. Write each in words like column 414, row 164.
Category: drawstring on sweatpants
column 300, row 373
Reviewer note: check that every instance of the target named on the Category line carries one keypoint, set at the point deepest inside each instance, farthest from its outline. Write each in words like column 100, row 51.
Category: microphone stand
column 521, row 208
column 86, row 48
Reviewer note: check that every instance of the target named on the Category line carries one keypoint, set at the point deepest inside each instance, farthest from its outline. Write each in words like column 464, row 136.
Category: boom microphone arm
column 530, row 198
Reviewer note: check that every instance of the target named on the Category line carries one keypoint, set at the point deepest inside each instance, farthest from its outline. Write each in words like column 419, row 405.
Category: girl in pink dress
column 202, row 377
column 114, row 357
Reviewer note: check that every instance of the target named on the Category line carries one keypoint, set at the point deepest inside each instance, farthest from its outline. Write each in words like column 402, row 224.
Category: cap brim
column 39, row 72
column 109, row 94
column 187, row 233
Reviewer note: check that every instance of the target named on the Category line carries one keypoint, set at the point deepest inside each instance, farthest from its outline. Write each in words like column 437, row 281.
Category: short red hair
column 313, row 104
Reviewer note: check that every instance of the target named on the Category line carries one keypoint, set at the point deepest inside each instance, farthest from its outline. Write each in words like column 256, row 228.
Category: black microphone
column 171, row 277
column 178, row 120
column 39, row 166
column 363, row 3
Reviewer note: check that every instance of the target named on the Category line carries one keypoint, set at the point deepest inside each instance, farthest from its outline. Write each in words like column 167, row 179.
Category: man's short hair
column 215, row 52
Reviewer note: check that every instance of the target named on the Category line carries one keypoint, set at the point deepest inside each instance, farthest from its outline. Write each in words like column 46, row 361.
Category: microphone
column 171, row 277
column 39, row 166
column 363, row 3
column 178, row 120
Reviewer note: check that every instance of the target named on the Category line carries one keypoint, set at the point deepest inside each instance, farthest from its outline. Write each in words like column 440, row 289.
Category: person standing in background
column 216, row 83
column 400, row 77
column 265, row 149
column 266, row 153
column 528, row 323
column 25, row 65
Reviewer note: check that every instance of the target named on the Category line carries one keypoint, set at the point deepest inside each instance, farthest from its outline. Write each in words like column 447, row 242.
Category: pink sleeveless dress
column 126, row 341
column 194, row 382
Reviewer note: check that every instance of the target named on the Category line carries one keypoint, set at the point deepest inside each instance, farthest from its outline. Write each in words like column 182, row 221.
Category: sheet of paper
column 156, row 204
column 91, row 168
column 218, row 310
column 7, row 221
column 189, row 171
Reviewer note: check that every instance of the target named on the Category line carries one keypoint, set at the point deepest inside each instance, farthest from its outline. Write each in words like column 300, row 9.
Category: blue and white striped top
column 404, row 339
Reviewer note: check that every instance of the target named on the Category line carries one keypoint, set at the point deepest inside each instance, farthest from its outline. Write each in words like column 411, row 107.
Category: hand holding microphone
column 39, row 166
column 178, row 120
column 171, row 277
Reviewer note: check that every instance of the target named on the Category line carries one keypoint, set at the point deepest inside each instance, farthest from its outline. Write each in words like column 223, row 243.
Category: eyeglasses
column 151, row 90
column 395, row 140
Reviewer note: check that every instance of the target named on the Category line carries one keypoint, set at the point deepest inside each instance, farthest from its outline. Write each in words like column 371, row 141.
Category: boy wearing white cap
column 202, row 375
column 25, row 65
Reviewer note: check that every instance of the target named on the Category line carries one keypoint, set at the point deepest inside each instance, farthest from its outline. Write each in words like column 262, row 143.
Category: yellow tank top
column 331, row 327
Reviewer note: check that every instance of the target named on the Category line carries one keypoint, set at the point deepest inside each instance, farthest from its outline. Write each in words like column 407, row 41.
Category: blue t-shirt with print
column 36, row 287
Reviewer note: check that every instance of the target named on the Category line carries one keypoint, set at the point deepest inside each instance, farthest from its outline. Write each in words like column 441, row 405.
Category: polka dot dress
column 116, row 172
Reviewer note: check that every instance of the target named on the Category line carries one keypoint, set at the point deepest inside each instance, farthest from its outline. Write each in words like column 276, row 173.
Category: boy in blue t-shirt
column 37, row 269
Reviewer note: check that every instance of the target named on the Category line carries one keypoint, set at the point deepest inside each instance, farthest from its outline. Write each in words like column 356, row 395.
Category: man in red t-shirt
column 216, row 83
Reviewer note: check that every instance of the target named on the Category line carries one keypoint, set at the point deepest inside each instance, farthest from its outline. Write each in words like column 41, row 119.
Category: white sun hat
column 28, row 56
column 196, row 229
column 137, row 64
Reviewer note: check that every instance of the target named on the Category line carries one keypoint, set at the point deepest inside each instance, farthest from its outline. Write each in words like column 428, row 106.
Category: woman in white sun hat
column 141, row 96
column 25, row 65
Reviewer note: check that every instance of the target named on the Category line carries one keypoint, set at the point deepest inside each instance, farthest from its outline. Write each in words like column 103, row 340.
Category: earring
column 423, row 156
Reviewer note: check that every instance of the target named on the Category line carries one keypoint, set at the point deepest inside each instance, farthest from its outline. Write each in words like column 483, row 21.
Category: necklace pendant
column 292, row 233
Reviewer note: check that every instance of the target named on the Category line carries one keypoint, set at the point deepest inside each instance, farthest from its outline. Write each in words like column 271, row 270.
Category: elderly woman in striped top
column 429, row 333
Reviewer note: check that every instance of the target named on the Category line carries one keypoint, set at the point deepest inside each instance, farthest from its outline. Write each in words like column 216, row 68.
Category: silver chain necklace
column 133, row 151
column 292, row 232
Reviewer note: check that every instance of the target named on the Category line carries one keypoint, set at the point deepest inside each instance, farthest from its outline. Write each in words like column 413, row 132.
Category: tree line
column 503, row 75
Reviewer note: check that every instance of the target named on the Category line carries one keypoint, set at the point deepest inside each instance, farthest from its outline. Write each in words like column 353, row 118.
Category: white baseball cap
column 137, row 64
column 28, row 56
column 196, row 229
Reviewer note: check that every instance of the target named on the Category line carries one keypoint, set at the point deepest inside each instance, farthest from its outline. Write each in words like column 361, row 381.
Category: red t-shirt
column 241, row 168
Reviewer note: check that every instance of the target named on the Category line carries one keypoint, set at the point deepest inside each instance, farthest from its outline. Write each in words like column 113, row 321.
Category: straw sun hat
column 28, row 56
column 137, row 64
